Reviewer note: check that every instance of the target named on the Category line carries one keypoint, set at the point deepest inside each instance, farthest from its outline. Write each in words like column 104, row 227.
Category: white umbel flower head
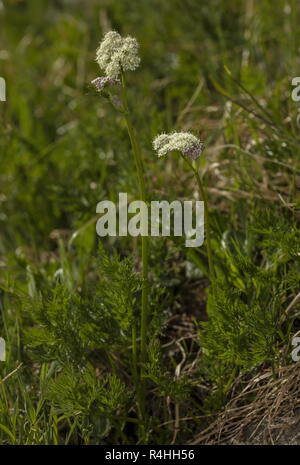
column 116, row 53
column 188, row 144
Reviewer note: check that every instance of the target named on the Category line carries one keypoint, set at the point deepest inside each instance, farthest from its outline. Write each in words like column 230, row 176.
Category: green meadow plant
column 112, row 347
column 115, row 56
column 227, row 355
column 190, row 148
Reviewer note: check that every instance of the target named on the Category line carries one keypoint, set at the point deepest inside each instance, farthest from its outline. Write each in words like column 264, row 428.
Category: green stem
column 136, row 378
column 134, row 354
column 207, row 227
column 145, row 243
column 206, row 220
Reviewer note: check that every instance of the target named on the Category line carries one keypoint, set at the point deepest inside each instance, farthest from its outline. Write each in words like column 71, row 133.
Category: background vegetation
column 220, row 69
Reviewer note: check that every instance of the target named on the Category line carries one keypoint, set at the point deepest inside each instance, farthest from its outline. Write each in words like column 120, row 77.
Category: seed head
column 116, row 53
column 102, row 82
column 188, row 144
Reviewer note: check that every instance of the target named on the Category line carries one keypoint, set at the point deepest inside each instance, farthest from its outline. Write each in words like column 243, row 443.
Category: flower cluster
column 102, row 82
column 116, row 53
column 188, row 144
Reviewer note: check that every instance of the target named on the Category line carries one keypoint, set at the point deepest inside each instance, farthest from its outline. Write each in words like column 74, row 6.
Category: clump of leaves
column 177, row 388
column 89, row 399
column 68, row 326
column 245, row 309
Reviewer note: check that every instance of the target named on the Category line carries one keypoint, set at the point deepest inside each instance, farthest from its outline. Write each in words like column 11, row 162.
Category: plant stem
column 136, row 379
column 145, row 243
column 207, row 227
column 206, row 220
column 134, row 354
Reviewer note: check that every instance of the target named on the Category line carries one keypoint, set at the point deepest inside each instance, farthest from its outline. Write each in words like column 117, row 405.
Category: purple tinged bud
column 102, row 82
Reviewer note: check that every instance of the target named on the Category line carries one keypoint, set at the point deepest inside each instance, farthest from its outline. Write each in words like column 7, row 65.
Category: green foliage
column 175, row 388
column 245, row 309
column 119, row 290
column 92, row 401
column 67, row 312
column 240, row 335
column 69, row 326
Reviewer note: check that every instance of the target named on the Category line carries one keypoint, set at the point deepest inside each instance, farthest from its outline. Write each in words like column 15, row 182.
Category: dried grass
column 271, row 417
